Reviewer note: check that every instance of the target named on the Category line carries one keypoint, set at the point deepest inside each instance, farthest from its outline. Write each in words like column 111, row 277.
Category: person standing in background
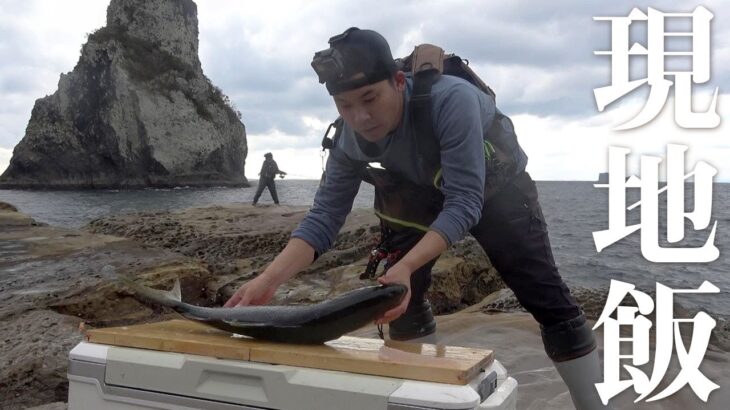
column 269, row 170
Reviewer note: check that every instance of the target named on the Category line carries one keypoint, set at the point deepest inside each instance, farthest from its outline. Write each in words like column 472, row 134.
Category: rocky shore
column 50, row 280
column 51, row 288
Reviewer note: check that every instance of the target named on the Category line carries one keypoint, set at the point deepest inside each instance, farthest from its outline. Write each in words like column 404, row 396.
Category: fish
column 301, row 324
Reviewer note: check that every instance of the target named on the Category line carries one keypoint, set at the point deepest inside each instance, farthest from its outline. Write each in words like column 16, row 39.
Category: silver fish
column 306, row 324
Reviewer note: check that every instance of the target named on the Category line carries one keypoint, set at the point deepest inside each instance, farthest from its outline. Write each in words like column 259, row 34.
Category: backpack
column 269, row 169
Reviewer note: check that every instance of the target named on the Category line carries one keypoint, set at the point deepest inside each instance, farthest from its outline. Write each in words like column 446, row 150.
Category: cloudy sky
column 538, row 56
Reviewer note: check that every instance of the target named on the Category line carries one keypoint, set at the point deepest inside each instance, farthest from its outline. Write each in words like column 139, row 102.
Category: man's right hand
column 258, row 291
column 297, row 255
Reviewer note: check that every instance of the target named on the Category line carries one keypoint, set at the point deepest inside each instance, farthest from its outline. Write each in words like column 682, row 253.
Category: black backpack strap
column 329, row 143
column 420, row 111
column 427, row 65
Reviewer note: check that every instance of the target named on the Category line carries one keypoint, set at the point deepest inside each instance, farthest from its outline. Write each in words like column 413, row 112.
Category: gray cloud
column 538, row 55
column 552, row 38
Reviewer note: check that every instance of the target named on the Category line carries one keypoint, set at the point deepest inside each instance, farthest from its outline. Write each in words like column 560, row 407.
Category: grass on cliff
column 145, row 59
column 147, row 62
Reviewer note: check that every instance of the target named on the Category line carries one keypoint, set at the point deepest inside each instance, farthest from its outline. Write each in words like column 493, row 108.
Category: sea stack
column 136, row 111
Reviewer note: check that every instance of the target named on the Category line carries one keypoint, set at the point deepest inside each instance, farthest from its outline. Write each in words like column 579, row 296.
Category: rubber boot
column 416, row 322
column 581, row 375
column 572, row 347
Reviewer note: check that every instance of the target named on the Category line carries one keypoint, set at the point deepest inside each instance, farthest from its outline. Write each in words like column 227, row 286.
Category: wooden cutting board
column 434, row 363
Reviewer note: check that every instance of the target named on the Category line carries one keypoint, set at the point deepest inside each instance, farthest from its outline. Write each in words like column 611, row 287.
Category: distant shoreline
column 251, row 184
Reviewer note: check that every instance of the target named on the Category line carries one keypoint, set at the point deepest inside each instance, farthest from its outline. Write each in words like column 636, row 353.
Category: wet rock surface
column 51, row 406
column 51, row 282
column 237, row 242
column 35, row 347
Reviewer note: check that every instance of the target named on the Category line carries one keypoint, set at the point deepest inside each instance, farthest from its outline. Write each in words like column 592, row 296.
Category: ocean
column 573, row 210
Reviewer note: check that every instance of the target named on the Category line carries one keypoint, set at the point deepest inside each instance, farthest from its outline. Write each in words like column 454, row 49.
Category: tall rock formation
column 136, row 111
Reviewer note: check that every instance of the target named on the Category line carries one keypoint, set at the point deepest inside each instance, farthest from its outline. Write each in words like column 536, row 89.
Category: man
column 268, row 173
column 374, row 99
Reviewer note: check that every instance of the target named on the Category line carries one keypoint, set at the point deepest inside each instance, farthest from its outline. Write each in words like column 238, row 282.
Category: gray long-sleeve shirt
column 461, row 115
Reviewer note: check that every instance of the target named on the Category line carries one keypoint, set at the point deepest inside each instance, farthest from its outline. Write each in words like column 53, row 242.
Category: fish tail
column 171, row 298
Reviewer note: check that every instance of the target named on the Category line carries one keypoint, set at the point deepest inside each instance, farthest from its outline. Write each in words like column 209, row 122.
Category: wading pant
column 266, row 183
column 513, row 233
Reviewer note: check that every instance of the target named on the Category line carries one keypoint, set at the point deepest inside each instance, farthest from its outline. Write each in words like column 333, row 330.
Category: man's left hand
column 398, row 273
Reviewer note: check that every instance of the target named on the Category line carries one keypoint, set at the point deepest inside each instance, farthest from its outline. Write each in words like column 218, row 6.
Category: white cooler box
column 117, row 378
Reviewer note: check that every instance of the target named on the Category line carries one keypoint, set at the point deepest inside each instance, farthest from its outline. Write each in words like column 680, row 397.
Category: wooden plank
column 435, row 363
column 181, row 336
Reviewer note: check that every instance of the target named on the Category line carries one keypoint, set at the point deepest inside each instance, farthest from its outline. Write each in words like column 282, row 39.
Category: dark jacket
column 269, row 169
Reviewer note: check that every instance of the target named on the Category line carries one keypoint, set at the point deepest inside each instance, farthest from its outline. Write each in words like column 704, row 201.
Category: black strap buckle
column 329, row 143
column 376, row 255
